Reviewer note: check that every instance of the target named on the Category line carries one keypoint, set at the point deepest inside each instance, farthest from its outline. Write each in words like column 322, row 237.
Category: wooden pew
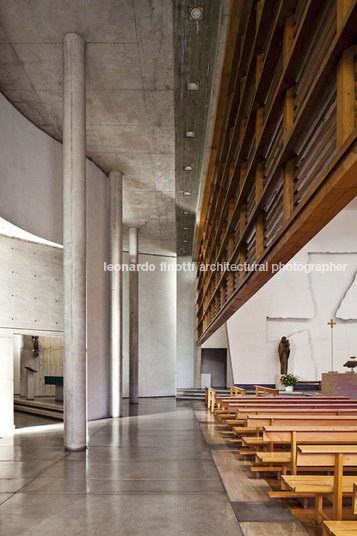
column 234, row 404
column 228, row 410
column 234, row 419
column 212, row 400
column 334, row 409
column 293, row 435
column 339, row 528
column 265, row 390
column 254, row 423
column 322, row 486
column 276, row 419
column 252, row 400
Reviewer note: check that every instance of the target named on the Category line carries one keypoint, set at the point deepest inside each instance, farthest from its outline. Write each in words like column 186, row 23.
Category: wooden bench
column 241, row 416
column 254, row 423
column 276, row 419
column 228, row 407
column 293, row 435
column 339, row 528
column 233, row 404
column 331, row 487
column 243, row 413
column 265, row 390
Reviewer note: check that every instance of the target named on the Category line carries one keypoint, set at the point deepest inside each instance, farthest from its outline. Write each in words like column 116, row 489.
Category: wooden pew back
column 258, row 421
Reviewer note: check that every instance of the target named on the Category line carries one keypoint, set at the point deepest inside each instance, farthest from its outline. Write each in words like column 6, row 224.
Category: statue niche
column 284, row 352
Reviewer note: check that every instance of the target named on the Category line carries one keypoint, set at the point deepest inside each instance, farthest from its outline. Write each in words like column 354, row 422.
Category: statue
column 284, row 352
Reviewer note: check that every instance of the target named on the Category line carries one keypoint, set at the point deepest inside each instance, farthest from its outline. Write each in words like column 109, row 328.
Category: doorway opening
column 38, row 379
column 214, row 362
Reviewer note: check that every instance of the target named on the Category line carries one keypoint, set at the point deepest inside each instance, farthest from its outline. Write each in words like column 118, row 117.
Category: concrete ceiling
column 130, row 94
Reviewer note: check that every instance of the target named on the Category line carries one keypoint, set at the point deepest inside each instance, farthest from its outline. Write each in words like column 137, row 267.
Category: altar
column 339, row 384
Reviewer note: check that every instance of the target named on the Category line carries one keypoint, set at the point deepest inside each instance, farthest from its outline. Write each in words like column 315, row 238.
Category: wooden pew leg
column 324, row 531
column 318, row 508
column 337, row 488
column 283, row 485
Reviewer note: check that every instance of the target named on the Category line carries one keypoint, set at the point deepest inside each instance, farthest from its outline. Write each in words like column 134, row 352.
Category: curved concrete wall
column 31, row 198
column 30, row 176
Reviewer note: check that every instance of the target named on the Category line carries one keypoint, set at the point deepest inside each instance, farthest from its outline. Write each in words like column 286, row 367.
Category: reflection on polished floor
column 150, row 473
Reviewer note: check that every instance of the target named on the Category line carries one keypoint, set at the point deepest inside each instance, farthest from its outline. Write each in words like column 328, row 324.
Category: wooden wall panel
column 288, row 132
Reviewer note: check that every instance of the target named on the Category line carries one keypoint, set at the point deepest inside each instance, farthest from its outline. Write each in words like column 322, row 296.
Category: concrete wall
column 31, row 289
column 30, row 176
column 17, row 344
column 185, row 326
column 97, row 294
column 157, row 327
column 6, row 385
column 299, row 305
column 31, row 198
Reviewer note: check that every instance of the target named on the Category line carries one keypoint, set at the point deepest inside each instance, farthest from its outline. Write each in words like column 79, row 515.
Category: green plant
column 288, row 379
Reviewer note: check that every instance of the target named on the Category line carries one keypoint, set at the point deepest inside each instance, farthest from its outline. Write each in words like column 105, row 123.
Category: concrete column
column 197, row 370
column 116, row 300
column 133, row 318
column 74, row 242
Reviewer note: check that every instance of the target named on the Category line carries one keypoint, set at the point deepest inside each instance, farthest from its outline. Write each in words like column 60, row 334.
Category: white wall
column 185, row 326
column 299, row 305
column 157, row 327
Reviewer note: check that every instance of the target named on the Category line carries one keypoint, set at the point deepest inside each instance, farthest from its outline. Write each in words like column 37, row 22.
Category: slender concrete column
column 74, row 241
column 116, row 300
column 133, row 318
column 197, row 367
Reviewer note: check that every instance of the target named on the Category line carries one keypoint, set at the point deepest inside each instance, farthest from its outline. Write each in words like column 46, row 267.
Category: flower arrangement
column 288, row 380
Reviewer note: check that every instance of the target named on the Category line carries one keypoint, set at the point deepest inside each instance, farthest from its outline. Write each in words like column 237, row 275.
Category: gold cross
column 331, row 323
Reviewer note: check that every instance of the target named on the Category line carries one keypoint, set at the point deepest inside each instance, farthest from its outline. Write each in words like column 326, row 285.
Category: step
column 39, row 411
column 36, row 407
column 189, row 397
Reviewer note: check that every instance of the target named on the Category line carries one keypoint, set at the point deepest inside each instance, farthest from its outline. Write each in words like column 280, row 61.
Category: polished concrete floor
column 160, row 470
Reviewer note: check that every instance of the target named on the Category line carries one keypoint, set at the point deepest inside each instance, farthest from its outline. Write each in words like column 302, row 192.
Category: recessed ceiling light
column 185, row 228
column 185, row 241
column 187, row 168
column 196, row 13
column 190, row 134
column 185, row 213
column 187, row 194
column 192, row 86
